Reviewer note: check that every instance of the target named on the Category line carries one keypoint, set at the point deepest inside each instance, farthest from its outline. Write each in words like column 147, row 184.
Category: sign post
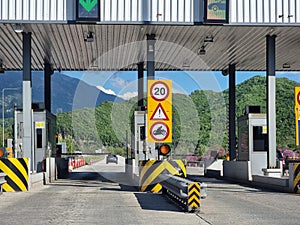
column 159, row 111
column 297, row 114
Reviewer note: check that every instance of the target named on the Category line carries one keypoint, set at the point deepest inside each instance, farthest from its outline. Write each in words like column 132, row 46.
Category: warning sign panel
column 159, row 110
column 159, row 114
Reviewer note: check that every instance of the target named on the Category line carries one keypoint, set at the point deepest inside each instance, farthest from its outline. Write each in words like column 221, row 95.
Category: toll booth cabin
column 252, row 140
column 43, row 138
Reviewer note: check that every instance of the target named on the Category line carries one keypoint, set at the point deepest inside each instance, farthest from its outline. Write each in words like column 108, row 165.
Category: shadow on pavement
column 156, row 202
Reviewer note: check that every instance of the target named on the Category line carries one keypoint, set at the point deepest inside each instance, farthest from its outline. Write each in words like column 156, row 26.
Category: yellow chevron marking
column 295, row 166
column 152, row 176
column 20, row 167
column 297, row 178
column 194, row 205
column 171, row 168
column 12, row 176
column 157, row 188
column 194, row 185
column 194, row 191
column 146, row 167
column 6, row 187
column 196, row 198
column 181, row 166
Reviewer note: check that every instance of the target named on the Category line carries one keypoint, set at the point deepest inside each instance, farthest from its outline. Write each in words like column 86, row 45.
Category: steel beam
column 48, row 71
column 150, row 56
column 232, row 117
column 271, row 98
column 140, row 85
column 27, row 98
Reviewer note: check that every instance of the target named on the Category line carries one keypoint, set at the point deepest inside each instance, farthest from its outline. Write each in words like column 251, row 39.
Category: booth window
column 142, row 133
column 39, row 138
column 259, row 139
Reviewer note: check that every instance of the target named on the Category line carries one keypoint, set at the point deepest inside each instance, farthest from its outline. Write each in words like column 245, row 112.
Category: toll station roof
column 120, row 47
column 187, row 37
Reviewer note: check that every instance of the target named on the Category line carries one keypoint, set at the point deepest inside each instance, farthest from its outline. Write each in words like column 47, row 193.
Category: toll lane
column 89, row 197
column 229, row 203
column 102, row 194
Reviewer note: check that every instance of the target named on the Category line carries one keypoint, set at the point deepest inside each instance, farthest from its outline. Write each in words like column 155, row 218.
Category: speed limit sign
column 159, row 91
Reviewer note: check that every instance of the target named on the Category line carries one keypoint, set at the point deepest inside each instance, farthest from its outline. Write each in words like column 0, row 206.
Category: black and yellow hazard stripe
column 149, row 172
column 296, row 183
column 194, row 195
column 178, row 165
column 17, row 174
column 151, row 169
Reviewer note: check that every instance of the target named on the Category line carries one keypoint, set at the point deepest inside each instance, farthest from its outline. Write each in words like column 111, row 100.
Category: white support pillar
column 27, row 99
column 271, row 98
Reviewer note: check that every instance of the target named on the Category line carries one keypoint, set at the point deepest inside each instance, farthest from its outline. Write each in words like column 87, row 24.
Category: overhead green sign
column 88, row 5
column 88, row 10
column 216, row 11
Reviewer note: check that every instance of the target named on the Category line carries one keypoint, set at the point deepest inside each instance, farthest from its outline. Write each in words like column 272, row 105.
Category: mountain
column 201, row 118
column 67, row 93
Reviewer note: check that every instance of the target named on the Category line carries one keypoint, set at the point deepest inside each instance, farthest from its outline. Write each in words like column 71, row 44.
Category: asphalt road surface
column 102, row 194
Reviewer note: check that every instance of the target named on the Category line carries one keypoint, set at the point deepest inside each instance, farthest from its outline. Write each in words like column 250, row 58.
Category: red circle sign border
column 168, row 131
column 159, row 82
column 298, row 97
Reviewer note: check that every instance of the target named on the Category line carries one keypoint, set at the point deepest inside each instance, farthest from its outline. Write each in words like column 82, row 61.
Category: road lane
column 101, row 194
column 229, row 203
column 89, row 198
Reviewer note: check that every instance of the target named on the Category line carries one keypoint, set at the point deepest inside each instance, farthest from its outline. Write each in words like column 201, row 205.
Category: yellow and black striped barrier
column 193, row 196
column 17, row 174
column 296, row 183
column 151, row 169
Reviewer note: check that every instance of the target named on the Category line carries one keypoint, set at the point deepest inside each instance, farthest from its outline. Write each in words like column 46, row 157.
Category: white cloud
column 128, row 95
column 119, row 82
column 125, row 96
column 107, row 91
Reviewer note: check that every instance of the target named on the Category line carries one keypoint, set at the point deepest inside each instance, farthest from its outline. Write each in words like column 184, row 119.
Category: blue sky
column 124, row 84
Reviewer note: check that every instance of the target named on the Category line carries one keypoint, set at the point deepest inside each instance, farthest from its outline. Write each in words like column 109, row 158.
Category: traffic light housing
column 3, row 153
column 56, row 137
column 164, row 149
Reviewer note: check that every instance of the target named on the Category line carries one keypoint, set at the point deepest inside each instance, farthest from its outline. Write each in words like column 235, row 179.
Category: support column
column 232, row 119
column 271, row 96
column 47, row 86
column 27, row 99
column 150, row 56
column 140, row 85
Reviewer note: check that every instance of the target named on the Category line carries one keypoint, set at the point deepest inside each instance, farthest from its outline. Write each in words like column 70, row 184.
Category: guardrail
column 2, row 180
column 185, row 192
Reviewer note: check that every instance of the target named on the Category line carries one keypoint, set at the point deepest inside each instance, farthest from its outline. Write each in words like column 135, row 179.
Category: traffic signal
column 56, row 137
column 164, row 149
column 3, row 152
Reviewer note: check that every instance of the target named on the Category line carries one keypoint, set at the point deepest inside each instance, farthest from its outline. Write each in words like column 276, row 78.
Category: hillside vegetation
column 200, row 120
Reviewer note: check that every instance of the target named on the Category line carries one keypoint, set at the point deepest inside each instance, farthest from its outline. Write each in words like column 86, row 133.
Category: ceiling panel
column 120, row 47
